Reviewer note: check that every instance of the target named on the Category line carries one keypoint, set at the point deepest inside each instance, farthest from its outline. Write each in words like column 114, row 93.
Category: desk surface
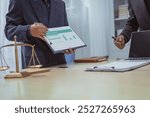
column 74, row 83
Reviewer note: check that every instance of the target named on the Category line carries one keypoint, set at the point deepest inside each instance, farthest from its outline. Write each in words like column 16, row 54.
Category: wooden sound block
column 17, row 75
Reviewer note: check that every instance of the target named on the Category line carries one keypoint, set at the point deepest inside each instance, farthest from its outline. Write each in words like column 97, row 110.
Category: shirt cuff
column 125, row 38
column 28, row 33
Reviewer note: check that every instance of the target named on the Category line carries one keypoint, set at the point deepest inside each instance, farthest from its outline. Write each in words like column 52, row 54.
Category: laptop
column 140, row 45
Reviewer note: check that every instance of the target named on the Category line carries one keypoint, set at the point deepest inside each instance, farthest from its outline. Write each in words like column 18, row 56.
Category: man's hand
column 120, row 42
column 70, row 51
column 38, row 30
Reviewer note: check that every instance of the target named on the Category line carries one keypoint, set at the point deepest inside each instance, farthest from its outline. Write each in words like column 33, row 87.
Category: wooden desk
column 75, row 83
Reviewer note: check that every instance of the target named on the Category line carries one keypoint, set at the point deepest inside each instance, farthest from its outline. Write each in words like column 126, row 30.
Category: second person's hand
column 120, row 42
column 69, row 51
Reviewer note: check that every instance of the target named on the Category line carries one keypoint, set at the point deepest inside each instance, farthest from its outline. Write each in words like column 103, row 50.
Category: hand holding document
column 119, row 66
column 38, row 30
column 63, row 38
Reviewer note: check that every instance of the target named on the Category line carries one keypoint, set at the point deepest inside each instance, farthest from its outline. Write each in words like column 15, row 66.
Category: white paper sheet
column 120, row 66
column 63, row 38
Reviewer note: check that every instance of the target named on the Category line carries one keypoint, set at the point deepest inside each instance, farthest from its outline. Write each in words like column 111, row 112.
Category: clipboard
column 62, row 38
column 119, row 66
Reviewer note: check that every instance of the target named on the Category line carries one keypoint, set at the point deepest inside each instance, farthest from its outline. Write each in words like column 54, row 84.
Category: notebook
column 119, row 66
column 140, row 45
column 91, row 59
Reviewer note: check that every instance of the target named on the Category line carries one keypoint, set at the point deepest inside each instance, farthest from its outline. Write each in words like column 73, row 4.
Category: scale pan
column 35, row 66
column 3, row 68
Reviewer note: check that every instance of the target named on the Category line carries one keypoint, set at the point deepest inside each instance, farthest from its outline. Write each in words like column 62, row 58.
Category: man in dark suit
column 139, row 11
column 29, row 20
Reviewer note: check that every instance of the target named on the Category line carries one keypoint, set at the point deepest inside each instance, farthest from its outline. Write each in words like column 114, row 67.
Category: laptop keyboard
column 138, row 58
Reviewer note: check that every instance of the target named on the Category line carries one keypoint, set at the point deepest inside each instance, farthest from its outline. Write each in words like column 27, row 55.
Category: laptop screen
column 140, row 44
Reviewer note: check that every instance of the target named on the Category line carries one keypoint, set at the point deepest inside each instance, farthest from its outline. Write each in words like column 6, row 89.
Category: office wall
column 102, row 26
column 7, row 52
column 93, row 21
column 2, row 21
column 78, row 16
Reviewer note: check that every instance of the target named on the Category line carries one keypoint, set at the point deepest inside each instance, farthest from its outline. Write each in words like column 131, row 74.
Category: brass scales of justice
column 31, row 69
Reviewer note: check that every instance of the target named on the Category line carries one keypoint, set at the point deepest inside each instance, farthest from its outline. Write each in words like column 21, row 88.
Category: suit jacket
column 23, row 13
column 139, row 18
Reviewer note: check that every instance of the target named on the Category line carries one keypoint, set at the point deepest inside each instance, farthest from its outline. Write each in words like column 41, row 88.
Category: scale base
column 17, row 75
column 36, row 70
column 26, row 73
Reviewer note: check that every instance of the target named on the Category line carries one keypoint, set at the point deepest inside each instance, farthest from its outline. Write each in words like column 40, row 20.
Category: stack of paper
column 119, row 66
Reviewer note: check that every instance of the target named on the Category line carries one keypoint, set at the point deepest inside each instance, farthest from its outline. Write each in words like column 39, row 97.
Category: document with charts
column 119, row 66
column 63, row 38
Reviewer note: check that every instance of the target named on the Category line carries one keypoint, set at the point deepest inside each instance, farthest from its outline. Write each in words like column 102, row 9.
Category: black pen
column 94, row 67
column 114, row 38
column 117, row 40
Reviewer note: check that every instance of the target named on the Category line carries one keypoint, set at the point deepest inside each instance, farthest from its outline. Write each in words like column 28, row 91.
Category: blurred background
column 95, row 21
